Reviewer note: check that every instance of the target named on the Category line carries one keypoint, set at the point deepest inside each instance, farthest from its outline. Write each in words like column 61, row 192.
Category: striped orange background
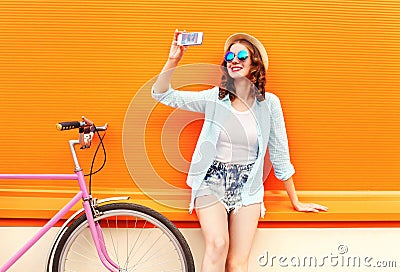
column 334, row 64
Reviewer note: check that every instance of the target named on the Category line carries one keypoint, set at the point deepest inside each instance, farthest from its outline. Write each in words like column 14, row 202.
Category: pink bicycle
column 106, row 235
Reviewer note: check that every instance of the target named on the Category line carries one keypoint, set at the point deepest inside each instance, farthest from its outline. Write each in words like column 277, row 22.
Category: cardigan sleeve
column 186, row 100
column 278, row 142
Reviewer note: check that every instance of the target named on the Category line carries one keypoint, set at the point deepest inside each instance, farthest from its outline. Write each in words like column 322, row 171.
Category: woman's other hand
column 309, row 207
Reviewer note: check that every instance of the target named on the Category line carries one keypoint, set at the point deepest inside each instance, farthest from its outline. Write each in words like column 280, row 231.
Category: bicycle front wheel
column 137, row 238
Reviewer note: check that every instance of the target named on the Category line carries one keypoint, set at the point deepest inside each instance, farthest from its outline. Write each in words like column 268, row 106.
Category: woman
column 226, row 172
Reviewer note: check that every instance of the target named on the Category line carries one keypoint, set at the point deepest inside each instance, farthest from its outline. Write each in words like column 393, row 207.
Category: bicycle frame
column 82, row 195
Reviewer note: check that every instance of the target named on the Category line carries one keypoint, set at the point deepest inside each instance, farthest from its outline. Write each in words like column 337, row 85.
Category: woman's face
column 239, row 68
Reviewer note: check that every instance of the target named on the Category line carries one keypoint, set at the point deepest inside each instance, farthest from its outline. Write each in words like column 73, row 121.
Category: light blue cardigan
column 271, row 133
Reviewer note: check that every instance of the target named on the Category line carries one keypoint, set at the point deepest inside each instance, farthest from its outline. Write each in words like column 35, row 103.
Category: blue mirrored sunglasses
column 241, row 55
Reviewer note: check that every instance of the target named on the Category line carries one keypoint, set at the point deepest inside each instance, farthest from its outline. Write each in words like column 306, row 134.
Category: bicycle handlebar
column 78, row 124
column 86, row 130
column 70, row 125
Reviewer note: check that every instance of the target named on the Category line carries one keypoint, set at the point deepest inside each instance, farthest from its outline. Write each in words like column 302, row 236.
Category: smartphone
column 190, row 38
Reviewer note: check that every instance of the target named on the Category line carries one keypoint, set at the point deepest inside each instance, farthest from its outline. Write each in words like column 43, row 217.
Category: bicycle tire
column 123, row 224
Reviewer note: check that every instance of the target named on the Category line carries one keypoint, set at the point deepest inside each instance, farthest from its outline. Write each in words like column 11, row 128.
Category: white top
column 237, row 142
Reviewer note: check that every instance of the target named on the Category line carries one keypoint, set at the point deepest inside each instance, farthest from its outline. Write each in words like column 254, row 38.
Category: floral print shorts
column 225, row 181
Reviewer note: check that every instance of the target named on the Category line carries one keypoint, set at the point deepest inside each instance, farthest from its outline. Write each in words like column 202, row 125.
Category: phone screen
column 191, row 38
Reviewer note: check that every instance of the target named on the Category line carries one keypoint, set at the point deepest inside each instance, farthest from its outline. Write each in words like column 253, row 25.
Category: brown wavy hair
column 257, row 74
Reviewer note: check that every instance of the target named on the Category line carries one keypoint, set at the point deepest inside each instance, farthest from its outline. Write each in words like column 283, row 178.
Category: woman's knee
column 217, row 246
column 236, row 263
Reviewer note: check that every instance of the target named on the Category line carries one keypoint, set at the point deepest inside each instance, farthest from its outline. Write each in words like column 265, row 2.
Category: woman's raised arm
column 175, row 55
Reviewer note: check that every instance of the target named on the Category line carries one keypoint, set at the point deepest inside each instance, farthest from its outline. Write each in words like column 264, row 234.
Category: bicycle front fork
column 90, row 206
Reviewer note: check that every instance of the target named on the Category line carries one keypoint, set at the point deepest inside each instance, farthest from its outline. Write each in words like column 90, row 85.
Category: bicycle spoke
column 156, row 255
column 154, row 264
column 138, row 262
column 134, row 245
column 127, row 242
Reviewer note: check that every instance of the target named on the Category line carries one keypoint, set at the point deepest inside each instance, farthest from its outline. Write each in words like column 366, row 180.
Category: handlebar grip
column 69, row 125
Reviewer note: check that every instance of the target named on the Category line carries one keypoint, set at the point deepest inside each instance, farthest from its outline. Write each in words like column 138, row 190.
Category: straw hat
column 257, row 44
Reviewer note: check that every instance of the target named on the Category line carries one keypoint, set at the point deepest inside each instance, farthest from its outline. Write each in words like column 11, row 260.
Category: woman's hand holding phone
column 177, row 51
column 175, row 55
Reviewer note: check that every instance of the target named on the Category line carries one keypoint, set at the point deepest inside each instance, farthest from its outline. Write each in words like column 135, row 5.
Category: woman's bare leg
column 214, row 225
column 242, row 228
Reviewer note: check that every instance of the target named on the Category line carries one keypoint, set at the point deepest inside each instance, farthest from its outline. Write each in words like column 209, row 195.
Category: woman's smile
column 236, row 68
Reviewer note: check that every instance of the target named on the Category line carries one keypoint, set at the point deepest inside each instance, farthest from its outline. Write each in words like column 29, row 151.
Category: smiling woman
column 226, row 179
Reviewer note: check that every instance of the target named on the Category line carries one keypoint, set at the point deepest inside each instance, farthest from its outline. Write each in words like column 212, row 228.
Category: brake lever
column 86, row 133
column 86, row 136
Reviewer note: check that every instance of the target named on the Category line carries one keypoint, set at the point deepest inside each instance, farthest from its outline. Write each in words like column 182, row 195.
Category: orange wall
column 334, row 64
